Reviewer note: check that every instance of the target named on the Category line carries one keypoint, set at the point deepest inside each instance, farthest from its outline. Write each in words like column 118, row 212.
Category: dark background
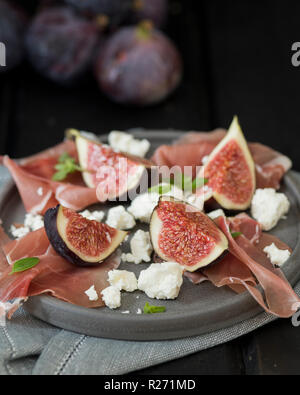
column 237, row 57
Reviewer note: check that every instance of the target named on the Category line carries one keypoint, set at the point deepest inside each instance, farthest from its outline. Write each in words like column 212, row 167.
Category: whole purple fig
column 154, row 10
column 60, row 44
column 138, row 65
column 12, row 27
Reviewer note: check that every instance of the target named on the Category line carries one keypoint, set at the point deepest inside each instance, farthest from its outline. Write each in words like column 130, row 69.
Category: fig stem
column 145, row 29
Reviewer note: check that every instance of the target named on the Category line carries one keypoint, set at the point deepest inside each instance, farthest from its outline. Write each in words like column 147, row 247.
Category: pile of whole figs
column 119, row 41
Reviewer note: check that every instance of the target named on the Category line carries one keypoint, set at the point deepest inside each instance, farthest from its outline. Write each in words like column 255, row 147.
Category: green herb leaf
column 199, row 182
column 66, row 165
column 24, row 264
column 161, row 189
column 235, row 235
column 148, row 309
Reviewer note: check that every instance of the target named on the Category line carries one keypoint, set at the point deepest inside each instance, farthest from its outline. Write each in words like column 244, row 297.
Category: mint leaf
column 199, row 182
column 66, row 165
column 148, row 309
column 235, row 235
column 24, row 264
column 161, row 189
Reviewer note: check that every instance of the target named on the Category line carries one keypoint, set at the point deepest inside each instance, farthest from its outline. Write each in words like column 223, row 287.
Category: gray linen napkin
column 29, row 346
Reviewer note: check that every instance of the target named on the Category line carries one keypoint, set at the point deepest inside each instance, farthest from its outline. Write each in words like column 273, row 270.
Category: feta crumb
column 34, row 221
column 111, row 297
column 141, row 248
column 93, row 215
column 123, row 280
column 161, row 280
column 143, row 205
column 216, row 213
column 40, row 191
column 195, row 200
column 125, row 312
column 126, row 143
column 139, row 311
column 18, row 233
column 119, row 218
column 268, row 207
column 92, row 294
column 277, row 257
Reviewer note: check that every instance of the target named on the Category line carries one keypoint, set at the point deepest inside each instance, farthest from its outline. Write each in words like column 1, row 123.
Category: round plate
column 199, row 308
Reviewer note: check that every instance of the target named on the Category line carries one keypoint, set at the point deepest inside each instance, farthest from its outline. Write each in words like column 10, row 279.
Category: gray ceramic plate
column 199, row 309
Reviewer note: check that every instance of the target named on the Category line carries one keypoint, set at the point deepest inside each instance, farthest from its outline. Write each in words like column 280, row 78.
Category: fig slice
column 114, row 174
column 80, row 241
column 230, row 171
column 182, row 234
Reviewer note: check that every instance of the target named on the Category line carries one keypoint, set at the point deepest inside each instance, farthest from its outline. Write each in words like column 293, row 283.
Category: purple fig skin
column 153, row 10
column 57, row 242
column 118, row 11
column 138, row 68
column 61, row 45
column 12, row 28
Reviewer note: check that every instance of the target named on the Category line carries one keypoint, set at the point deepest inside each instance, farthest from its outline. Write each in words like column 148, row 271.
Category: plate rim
column 142, row 327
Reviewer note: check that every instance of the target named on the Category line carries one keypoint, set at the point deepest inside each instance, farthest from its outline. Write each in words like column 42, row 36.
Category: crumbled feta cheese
column 195, row 200
column 268, row 207
column 139, row 311
column 119, row 218
column 93, row 215
column 34, row 221
column 126, row 143
column 143, row 205
column 18, row 233
column 125, row 312
column 141, row 248
column 123, row 280
column 215, row 214
column 161, row 280
column 40, row 191
column 176, row 192
column 277, row 257
column 111, row 297
column 92, row 294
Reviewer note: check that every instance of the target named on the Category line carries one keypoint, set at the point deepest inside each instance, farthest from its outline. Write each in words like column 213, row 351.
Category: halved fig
column 230, row 171
column 80, row 241
column 182, row 234
column 114, row 174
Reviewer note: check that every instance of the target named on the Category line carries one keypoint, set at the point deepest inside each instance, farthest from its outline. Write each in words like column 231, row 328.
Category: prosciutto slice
column 246, row 265
column 53, row 275
column 33, row 177
column 278, row 297
column 193, row 147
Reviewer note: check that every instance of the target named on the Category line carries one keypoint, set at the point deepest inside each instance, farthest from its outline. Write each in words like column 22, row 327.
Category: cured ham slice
column 53, row 275
column 278, row 297
column 246, row 265
column 39, row 193
column 193, row 147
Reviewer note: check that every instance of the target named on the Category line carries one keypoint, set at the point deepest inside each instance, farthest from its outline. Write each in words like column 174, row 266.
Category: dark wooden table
column 237, row 61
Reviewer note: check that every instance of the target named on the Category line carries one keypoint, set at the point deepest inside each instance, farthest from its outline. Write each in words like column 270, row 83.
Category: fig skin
column 13, row 22
column 138, row 66
column 153, row 10
column 144, row 168
column 61, row 44
column 59, row 244
column 229, row 201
